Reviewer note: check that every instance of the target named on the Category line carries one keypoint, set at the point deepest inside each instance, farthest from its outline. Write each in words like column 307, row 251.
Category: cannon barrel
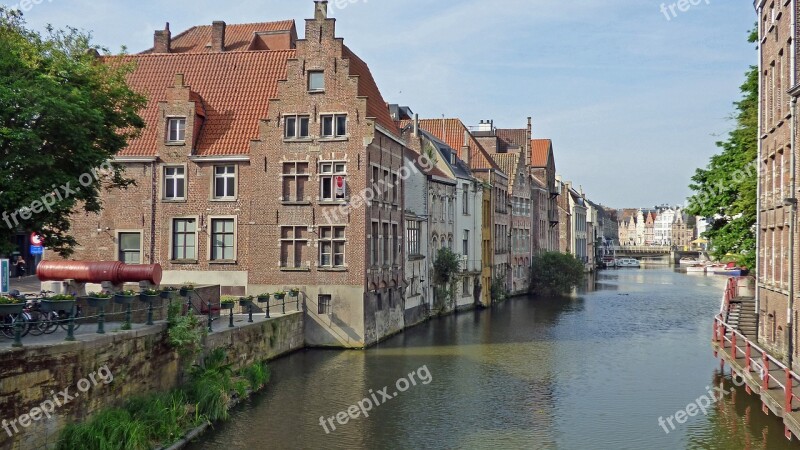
column 98, row 272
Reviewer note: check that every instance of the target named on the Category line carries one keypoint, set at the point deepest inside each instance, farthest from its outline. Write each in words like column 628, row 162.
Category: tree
column 555, row 273
column 64, row 114
column 726, row 191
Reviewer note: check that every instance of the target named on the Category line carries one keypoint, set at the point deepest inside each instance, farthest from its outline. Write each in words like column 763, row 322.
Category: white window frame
column 330, row 177
column 177, row 120
column 117, row 247
column 298, row 118
column 336, row 132
column 210, row 243
column 214, row 177
column 172, row 238
column 333, row 240
column 296, row 176
column 311, row 74
column 165, row 178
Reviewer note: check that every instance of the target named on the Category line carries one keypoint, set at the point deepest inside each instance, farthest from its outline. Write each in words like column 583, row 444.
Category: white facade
column 662, row 231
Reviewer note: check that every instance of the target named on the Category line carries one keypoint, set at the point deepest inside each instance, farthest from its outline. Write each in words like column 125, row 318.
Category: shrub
column 555, row 273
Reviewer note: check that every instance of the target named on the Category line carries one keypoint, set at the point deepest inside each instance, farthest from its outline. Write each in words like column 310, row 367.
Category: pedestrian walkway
column 29, row 284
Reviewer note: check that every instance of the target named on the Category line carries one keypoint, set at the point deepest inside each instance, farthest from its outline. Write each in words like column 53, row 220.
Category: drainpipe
column 792, row 200
column 759, row 262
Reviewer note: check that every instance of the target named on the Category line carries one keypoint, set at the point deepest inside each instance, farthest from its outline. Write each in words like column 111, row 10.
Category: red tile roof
column 238, row 37
column 508, row 163
column 451, row 132
column 540, row 152
column 377, row 108
column 515, row 137
column 234, row 87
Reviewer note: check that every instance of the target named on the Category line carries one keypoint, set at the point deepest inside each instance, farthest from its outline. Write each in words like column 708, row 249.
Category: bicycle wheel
column 6, row 327
column 64, row 321
column 10, row 321
column 36, row 325
column 49, row 322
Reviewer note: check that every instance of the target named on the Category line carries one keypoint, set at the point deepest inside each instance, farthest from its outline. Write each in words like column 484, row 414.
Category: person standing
column 21, row 266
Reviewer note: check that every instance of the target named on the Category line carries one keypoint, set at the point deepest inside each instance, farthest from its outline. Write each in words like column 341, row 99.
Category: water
column 593, row 372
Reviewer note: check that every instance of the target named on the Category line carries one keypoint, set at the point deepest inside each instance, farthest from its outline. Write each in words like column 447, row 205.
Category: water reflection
column 594, row 371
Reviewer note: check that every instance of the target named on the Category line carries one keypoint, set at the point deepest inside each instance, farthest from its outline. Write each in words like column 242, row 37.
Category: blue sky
column 634, row 102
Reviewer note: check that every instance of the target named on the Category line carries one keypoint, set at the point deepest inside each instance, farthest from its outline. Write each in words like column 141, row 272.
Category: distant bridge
column 655, row 254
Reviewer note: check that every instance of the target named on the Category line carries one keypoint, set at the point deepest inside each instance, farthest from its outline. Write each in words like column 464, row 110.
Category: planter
column 14, row 308
column 148, row 298
column 166, row 295
column 263, row 299
column 56, row 306
column 97, row 303
column 279, row 296
column 294, row 293
column 226, row 306
column 245, row 302
column 185, row 292
column 125, row 299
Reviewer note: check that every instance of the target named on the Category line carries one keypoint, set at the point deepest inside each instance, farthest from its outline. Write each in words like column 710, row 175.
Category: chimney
column 465, row 149
column 320, row 9
column 416, row 125
column 179, row 80
column 530, row 129
column 162, row 40
column 218, row 36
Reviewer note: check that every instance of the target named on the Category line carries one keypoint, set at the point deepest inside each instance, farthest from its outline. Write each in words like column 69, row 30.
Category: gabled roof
column 541, row 151
column 376, row 106
column 451, row 132
column 509, row 163
column 435, row 171
column 234, row 87
column 238, row 37
column 460, row 168
column 511, row 138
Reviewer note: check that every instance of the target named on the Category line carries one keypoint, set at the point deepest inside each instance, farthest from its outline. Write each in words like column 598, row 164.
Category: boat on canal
column 628, row 263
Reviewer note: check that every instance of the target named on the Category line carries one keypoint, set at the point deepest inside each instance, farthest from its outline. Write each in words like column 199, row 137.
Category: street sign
column 36, row 239
column 5, row 276
column 37, row 250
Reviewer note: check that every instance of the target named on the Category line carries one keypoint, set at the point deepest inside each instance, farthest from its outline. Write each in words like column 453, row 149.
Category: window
column 316, row 81
column 324, row 304
column 375, row 183
column 224, row 182
column 295, row 177
column 176, row 129
column 184, row 239
column 130, row 248
column 395, row 189
column 223, row 240
column 374, row 239
column 174, row 183
column 296, row 127
column 331, row 246
column 386, row 249
column 465, row 199
column 396, row 250
column 334, row 125
column 333, row 181
column 465, row 249
column 465, row 287
column 294, row 240
column 412, row 237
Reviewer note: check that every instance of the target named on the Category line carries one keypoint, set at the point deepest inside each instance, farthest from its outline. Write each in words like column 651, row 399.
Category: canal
column 592, row 372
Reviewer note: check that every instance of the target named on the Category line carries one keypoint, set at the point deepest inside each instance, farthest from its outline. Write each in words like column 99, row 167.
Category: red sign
column 36, row 239
column 339, row 187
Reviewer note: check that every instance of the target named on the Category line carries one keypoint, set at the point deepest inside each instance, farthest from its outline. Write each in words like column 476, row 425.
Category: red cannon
column 98, row 272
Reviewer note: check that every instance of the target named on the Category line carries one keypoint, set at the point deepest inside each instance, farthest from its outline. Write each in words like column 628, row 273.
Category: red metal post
column 765, row 362
column 733, row 346
column 788, row 388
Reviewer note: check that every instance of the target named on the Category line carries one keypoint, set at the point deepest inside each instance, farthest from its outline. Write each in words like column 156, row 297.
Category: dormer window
column 176, row 129
column 316, row 81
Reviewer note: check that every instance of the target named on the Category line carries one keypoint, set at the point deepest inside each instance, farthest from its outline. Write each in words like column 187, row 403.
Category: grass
column 157, row 420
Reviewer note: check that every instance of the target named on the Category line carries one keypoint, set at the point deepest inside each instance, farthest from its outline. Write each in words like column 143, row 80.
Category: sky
column 633, row 96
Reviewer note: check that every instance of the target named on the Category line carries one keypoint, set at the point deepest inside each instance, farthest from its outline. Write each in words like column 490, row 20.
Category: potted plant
column 294, row 292
column 186, row 289
column 245, row 301
column 9, row 305
column 56, row 303
column 279, row 295
column 168, row 292
column 263, row 298
column 149, row 295
column 227, row 302
column 98, row 299
column 125, row 297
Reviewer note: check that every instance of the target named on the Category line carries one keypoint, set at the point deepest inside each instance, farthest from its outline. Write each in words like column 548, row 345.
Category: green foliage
column 99, row 295
column 127, row 293
column 113, row 429
column 9, row 300
column 446, row 265
column 184, row 332
column 150, row 292
column 61, row 298
column 227, row 299
column 555, row 273
column 499, row 291
column 211, row 385
column 726, row 190
column 257, row 374
column 62, row 115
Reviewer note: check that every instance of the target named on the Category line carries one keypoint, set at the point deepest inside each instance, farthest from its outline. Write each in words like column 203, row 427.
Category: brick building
column 251, row 170
column 777, row 202
column 543, row 167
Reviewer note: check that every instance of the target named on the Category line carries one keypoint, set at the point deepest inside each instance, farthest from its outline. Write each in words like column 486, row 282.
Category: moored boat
column 628, row 262
column 697, row 268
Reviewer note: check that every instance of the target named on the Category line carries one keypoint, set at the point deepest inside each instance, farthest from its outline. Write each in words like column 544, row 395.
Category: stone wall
column 139, row 361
